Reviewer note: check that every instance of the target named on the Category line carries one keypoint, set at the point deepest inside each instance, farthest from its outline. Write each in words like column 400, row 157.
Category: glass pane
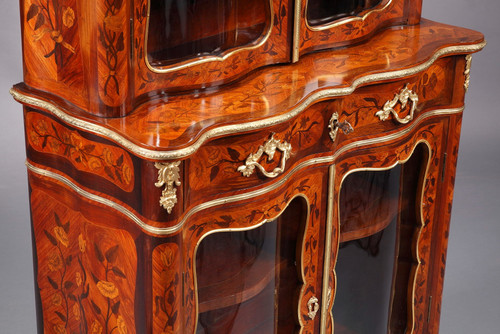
column 379, row 221
column 184, row 29
column 248, row 281
column 326, row 11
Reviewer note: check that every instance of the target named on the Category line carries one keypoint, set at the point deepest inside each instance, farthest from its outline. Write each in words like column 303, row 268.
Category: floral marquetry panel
column 110, row 162
column 85, row 271
column 167, row 292
column 51, row 40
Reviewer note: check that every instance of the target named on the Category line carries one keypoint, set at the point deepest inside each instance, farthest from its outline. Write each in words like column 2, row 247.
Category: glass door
column 182, row 30
column 379, row 223
column 248, row 281
column 327, row 24
column 326, row 11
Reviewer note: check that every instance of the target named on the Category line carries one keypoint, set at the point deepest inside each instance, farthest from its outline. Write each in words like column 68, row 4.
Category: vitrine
column 227, row 166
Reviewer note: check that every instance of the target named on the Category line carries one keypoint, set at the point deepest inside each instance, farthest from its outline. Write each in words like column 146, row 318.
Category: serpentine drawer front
column 179, row 183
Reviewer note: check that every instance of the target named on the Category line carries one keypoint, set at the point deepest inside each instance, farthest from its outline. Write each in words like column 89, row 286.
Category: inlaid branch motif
column 71, row 295
column 51, row 18
column 168, row 176
column 69, row 292
column 108, row 289
column 167, row 277
column 112, row 39
column 111, row 163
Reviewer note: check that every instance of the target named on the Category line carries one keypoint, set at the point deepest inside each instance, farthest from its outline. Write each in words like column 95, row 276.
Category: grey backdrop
column 471, row 302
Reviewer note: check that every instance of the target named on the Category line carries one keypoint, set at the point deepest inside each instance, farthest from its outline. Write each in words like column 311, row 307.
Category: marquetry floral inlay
column 72, row 296
column 166, row 279
column 51, row 18
column 107, row 161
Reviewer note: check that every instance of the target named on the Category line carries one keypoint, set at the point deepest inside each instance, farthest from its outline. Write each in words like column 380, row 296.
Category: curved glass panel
column 248, row 281
column 180, row 30
column 326, row 11
column 379, row 219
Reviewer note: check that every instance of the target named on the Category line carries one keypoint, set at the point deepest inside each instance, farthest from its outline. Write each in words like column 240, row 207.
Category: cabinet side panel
column 86, row 270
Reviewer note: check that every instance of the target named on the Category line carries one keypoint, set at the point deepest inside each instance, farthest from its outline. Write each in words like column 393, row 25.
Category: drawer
column 376, row 110
column 244, row 161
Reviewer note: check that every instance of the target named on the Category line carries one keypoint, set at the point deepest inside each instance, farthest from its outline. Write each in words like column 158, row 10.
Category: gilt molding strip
column 237, row 128
column 244, row 196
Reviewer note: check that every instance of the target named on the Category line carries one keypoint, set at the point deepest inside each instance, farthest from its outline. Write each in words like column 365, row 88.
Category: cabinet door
column 201, row 43
column 325, row 24
column 256, row 266
column 386, row 211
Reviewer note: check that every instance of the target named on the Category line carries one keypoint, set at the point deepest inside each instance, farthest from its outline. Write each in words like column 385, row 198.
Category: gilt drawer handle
column 403, row 97
column 168, row 176
column 312, row 307
column 269, row 148
column 335, row 125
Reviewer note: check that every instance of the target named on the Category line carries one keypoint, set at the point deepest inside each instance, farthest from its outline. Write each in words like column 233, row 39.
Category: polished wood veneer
column 175, row 190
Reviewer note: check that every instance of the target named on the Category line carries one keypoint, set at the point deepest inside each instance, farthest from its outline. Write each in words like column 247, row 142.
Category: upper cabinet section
column 107, row 57
column 327, row 24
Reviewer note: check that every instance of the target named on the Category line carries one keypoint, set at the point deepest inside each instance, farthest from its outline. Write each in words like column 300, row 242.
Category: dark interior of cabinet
column 321, row 12
column 180, row 30
column 379, row 219
column 249, row 281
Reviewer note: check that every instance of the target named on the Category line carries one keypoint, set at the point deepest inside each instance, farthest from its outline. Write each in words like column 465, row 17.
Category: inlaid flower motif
column 35, row 139
column 95, row 164
column 167, row 256
column 42, row 127
column 107, row 289
column 121, row 325
column 96, row 327
column 61, row 236
column 76, row 311
column 54, row 262
column 68, row 17
column 78, row 278
column 108, row 156
column 59, row 329
column 82, row 244
column 56, row 299
column 127, row 174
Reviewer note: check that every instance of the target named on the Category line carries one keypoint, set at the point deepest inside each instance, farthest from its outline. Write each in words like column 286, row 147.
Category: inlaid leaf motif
column 53, row 283
column 98, row 253
column 115, row 307
column 117, row 271
column 51, row 238
column 34, row 10
column 40, row 21
column 96, row 308
column 235, row 155
column 112, row 253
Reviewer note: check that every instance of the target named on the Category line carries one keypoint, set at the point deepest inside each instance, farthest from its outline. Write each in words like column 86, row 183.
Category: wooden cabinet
column 264, row 166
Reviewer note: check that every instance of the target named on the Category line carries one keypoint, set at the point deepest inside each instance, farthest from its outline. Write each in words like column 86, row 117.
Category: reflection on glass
column 326, row 11
column 379, row 219
column 248, row 281
column 184, row 29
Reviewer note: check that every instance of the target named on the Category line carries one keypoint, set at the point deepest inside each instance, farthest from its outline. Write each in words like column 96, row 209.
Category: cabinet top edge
column 175, row 127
